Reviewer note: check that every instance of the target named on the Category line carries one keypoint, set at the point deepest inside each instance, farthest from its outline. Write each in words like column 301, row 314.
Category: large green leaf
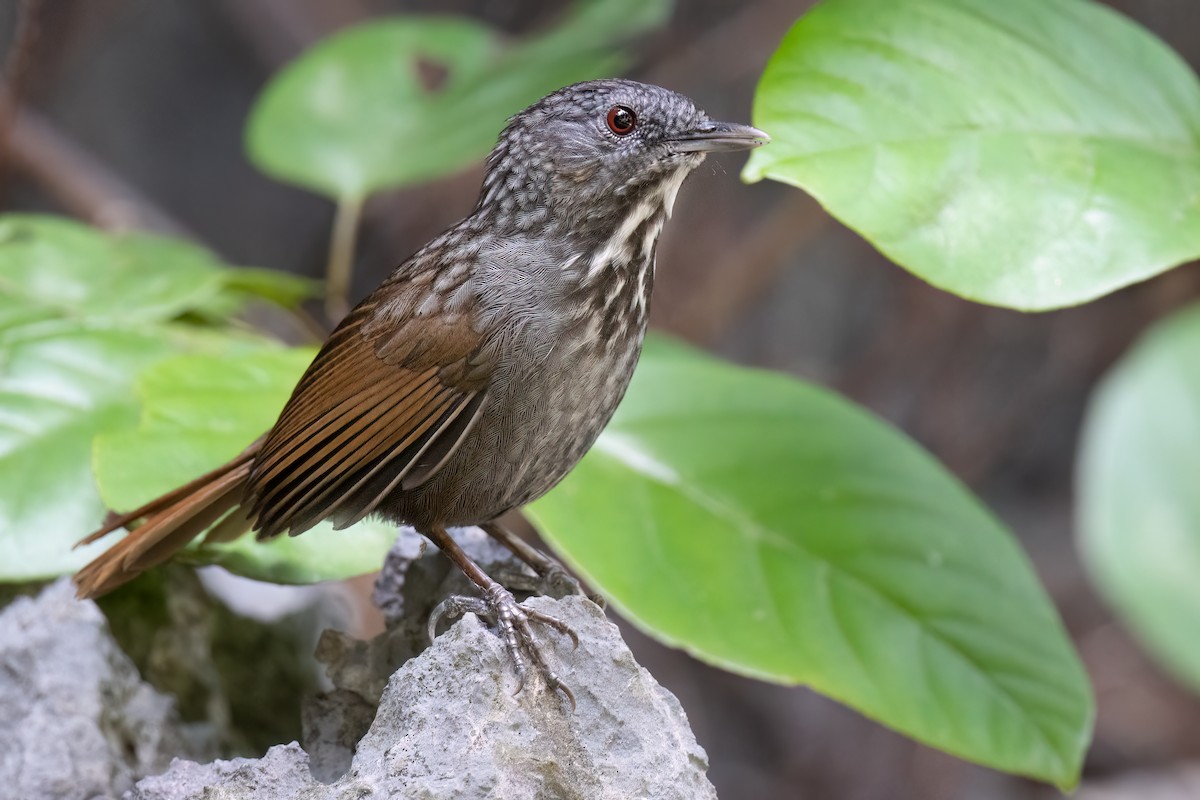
column 771, row 528
column 1026, row 153
column 56, row 267
column 76, row 312
column 407, row 99
column 1139, row 491
column 199, row 411
column 81, row 315
column 60, row 385
column 69, row 270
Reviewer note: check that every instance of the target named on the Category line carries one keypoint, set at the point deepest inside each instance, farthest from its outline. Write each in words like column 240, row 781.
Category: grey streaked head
column 590, row 151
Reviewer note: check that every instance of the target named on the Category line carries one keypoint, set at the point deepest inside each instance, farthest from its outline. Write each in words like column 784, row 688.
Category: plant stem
column 341, row 258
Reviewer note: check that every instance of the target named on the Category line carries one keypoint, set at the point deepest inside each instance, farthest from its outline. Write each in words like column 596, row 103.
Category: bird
column 480, row 372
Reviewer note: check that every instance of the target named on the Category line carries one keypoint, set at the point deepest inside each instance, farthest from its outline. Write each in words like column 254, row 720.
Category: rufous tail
column 168, row 524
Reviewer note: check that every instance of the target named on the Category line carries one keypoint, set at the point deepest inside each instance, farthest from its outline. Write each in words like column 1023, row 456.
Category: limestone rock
column 333, row 724
column 282, row 774
column 450, row 726
column 628, row 737
column 78, row 720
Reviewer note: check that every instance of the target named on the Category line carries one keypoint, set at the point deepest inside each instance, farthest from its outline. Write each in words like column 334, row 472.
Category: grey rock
column 333, row 724
column 414, row 579
column 281, row 773
column 450, row 726
column 78, row 722
column 389, row 593
column 627, row 738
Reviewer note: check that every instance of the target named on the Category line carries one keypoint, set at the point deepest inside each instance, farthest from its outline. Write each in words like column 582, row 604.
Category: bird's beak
column 717, row 136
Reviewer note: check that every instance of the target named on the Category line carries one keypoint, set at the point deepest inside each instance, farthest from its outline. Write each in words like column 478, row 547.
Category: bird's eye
column 621, row 120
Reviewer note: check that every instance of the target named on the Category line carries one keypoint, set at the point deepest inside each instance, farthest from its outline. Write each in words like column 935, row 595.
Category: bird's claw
column 513, row 621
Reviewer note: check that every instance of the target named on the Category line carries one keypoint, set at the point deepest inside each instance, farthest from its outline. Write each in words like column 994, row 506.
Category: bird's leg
column 500, row 607
column 554, row 576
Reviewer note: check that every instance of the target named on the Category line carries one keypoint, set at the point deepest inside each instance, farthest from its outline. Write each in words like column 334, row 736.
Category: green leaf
column 360, row 112
column 342, row 119
column 199, row 411
column 1028, row 153
column 78, row 317
column 71, row 271
column 1139, row 491
column 280, row 288
column 773, row 529
column 81, row 315
column 319, row 554
column 60, row 385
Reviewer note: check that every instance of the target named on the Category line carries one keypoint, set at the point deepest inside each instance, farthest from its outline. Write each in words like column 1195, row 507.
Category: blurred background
column 135, row 114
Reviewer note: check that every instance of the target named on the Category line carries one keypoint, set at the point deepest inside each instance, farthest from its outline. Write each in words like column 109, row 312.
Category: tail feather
column 169, row 499
column 237, row 523
column 170, row 523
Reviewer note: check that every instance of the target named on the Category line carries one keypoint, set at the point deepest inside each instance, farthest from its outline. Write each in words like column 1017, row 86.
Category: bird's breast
column 564, row 335
column 580, row 359
column 566, row 365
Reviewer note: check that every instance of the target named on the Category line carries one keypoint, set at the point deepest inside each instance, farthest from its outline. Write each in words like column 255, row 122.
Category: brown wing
column 384, row 405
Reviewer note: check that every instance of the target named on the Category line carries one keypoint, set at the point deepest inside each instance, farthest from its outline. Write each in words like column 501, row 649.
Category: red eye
column 621, row 120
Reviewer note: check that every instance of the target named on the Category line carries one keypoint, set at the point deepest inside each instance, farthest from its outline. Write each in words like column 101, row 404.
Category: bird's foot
column 553, row 579
column 512, row 619
column 550, row 579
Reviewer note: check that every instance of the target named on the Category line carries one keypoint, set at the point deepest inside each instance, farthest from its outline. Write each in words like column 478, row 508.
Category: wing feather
column 345, row 419
column 382, row 408
column 323, row 481
column 419, row 443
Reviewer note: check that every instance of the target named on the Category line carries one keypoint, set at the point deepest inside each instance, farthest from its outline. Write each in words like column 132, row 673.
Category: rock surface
column 449, row 726
column 282, row 774
column 78, row 722
column 414, row 579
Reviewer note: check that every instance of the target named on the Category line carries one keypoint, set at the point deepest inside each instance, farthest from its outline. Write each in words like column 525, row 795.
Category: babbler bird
column 484, row 367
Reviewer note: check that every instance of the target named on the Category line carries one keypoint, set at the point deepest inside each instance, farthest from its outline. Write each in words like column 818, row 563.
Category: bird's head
column 589, row 153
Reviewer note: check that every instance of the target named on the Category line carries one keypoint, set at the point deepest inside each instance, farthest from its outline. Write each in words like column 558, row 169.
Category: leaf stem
column 341, row 258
